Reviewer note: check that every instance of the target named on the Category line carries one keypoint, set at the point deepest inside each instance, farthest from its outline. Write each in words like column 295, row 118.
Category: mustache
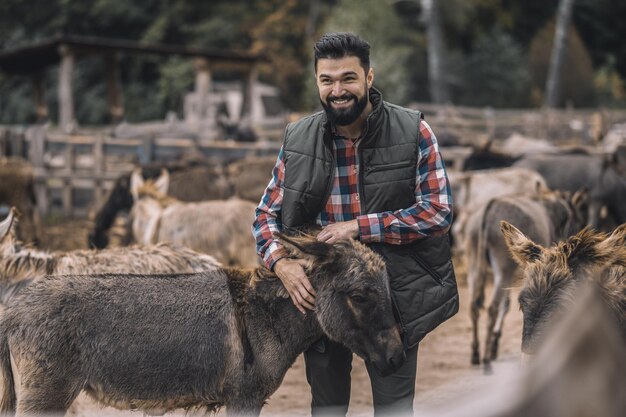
column 346, row 96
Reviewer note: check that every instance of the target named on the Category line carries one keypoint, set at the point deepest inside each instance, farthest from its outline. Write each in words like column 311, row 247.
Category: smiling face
column 343, row 86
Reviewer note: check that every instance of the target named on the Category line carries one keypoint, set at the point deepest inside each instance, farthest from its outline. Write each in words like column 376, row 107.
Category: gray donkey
column 220, row 338
column 546, row 217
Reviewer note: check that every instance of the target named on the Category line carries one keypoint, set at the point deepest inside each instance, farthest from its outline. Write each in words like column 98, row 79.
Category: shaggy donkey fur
column 219, row 338
column 551, row 276
column 19, row 265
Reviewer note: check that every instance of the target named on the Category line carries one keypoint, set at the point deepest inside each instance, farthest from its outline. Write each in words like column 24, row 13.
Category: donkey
column 20, row 265
column 547, row 217
column 473, row 189
column 191, row 181
column 552, row 275
column 220, row 228
column 225, row 337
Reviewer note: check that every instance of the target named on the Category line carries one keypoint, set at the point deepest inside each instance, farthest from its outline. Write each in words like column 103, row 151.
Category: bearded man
column 369, row 170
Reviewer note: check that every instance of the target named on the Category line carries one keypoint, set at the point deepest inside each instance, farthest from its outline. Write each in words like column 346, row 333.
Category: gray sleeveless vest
column 421, row 276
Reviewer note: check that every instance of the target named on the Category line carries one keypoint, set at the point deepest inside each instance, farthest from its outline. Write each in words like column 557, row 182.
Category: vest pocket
column 431, row 271
column 387, row 167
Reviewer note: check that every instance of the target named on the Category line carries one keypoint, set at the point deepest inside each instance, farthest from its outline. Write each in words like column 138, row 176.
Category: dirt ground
column 444, row 370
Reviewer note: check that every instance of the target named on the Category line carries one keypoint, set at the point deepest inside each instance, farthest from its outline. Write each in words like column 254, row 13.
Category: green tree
column 496, row 73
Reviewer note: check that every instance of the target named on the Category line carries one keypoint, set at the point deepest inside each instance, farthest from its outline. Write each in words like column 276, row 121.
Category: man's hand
column 291, row 273
column 339, row 231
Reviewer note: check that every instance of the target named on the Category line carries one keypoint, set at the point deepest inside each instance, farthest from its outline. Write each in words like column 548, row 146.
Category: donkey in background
column 220, row 228
column 19, row 265
column 553, row 274
column 225, row 337
column 547, row 217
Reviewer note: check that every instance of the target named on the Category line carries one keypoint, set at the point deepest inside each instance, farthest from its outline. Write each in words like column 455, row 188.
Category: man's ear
column 370, row 77
column 522, row 249
column 306, row 247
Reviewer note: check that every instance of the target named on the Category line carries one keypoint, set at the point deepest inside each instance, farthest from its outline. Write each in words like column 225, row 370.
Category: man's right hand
column 291, row 273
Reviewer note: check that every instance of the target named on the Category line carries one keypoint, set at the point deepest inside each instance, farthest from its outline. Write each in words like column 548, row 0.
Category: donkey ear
column 586, row 248
column 306, row 247
column 136, row 182
column 616, row 244
column 580, row 197
column 618, row 237
column 522, row 249
column 6, row 225
column 162, row 183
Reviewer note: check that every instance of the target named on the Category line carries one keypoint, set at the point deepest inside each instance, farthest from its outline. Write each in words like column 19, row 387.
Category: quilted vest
column 423, row 285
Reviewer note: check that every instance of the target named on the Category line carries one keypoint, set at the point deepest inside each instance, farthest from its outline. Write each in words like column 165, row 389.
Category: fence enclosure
column 73, row 172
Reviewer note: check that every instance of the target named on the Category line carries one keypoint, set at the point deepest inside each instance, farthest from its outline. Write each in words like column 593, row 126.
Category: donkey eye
column 358, row 298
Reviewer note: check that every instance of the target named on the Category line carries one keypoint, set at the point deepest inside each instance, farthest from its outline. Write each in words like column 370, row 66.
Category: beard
column 347, row 116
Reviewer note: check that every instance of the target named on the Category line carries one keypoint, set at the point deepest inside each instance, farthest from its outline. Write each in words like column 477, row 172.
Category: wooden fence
column 474, row 125
column 74, row 172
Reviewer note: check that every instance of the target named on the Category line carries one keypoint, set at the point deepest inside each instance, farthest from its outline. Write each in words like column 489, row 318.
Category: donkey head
column 552, row 274
column 147, row 205
column 353, row 304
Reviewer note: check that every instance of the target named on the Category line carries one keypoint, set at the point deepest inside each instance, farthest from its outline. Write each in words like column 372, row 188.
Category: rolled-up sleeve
column 267, row 217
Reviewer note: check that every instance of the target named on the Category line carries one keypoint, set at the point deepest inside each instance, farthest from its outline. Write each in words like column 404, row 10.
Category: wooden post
column 98, row 168
column 66, row 101
column 116, row 109
column 146, row 152
column 251, row 109
column 3, row 141
column 41, row 109
column 36, row 149
column 204, row 112
column 68, row 202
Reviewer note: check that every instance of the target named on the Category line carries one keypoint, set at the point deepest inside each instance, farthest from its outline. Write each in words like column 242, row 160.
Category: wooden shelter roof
column 40, row 55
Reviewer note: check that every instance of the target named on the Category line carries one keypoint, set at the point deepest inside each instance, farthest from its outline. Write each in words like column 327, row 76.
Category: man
column 369, row 170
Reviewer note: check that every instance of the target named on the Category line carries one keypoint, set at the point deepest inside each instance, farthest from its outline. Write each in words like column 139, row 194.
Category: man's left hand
column 339, row 231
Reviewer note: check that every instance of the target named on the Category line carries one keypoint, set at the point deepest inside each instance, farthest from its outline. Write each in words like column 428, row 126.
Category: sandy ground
column 444, row 371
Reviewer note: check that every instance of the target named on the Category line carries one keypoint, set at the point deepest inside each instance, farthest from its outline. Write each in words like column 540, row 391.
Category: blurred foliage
column 493, row 46
column 495, row 73
column 577, row 83
column 391, row 46
column 609, row 86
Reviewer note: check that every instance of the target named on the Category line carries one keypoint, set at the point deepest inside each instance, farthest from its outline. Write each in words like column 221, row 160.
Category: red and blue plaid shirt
column 430, row 215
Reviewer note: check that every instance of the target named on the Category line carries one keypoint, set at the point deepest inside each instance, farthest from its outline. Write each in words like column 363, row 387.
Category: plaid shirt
column 430, row 215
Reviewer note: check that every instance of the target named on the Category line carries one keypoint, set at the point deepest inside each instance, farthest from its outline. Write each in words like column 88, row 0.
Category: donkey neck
column 272, row 323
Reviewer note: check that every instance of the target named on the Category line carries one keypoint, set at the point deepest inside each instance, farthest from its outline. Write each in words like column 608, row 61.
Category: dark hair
column 340, row 45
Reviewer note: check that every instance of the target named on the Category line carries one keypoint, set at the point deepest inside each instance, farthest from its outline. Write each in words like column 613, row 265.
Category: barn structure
column 35, row 59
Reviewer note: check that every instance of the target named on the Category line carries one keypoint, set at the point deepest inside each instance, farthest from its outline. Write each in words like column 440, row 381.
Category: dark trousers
column 328, row 366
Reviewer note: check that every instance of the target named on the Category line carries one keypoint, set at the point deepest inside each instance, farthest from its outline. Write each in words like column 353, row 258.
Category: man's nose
column 337, row 88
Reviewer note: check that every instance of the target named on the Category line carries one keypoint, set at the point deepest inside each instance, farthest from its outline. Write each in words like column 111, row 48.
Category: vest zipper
column 402, row 164
column 403, row 332
column 434, row 274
